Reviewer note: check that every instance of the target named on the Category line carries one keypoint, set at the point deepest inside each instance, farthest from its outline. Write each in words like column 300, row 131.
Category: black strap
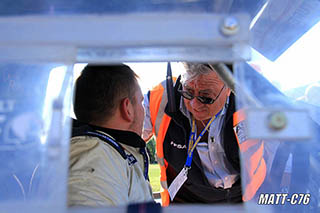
column 144, row 208
column 170, row 91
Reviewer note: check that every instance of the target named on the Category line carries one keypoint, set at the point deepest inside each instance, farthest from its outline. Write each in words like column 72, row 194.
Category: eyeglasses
column 203, row 100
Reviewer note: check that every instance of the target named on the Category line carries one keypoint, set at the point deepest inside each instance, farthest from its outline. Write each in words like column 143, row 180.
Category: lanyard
column 110, row 141
column 146, row 162
column 120, row 149
column 181, row 178
column 193, row 142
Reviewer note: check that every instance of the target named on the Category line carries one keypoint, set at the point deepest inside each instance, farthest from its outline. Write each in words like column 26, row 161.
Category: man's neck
column 113, row 124
column 200, row 125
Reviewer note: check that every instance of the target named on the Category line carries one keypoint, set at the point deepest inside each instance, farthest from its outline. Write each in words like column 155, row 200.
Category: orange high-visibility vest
column 160, row 122
column 255, row 168
column 255, row 164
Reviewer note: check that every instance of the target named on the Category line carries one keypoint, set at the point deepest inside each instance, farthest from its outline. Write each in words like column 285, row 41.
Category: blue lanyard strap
column 146, row 162
column 193, row 142
column 110, row 141
column 120, row 149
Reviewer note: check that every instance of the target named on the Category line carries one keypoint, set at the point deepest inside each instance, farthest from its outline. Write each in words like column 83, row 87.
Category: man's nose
column 195, row 103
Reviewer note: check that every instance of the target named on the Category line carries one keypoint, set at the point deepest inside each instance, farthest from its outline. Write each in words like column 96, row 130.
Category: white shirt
column 217, row 168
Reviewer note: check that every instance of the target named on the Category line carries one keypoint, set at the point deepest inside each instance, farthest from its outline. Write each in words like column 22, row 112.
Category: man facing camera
column 108, row 160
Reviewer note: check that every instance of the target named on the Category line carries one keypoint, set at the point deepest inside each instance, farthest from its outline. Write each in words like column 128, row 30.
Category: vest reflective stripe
column 252, row 156
column 245, row 146
column 163, row 165
column 160, row 122
column 161, row 135
column 159, row 119
column 257, row 180
column 254, row 160
column 164, row 184
column 160, row 161
column 158, row 99
column 165, row 198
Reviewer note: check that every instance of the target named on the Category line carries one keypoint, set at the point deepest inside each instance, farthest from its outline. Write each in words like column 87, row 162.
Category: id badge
column 178, row 182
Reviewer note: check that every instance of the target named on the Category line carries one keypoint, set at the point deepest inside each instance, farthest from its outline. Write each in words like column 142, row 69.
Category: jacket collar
column 125, row 137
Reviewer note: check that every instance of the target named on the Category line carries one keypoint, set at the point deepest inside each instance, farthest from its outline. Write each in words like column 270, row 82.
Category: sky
column 296, row 67
column 150, row 74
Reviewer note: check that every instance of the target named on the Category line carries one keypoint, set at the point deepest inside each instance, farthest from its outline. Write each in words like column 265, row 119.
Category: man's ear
column 126, row 110
column 228, row 91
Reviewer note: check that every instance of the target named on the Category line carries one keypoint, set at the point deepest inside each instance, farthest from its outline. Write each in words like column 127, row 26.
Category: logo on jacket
column 178, row 146
column 240, row 132
column 131, row 159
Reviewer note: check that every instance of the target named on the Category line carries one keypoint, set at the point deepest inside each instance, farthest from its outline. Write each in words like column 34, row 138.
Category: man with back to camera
column 197, row 145
column 108, row 160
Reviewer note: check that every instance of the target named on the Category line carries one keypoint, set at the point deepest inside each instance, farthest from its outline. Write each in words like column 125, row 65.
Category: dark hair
column 100, row 89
